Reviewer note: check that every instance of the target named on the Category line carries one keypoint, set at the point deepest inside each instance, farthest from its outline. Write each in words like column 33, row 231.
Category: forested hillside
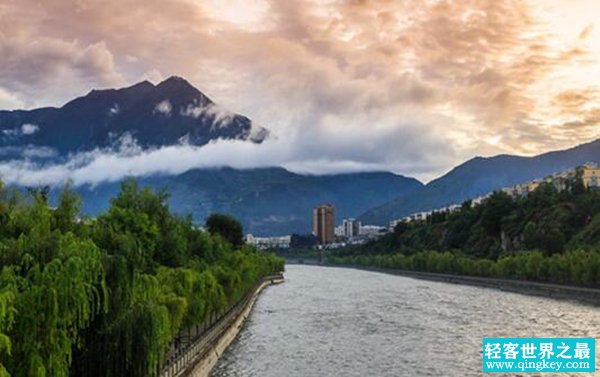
column 480, row 176
column 548, row 235
column 106, row 297
column 268, row 201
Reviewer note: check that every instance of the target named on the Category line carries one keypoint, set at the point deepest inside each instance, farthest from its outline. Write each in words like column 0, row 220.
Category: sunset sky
column 415, row 87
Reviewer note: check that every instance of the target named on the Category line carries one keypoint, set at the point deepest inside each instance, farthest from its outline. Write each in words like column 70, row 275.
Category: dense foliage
column 226, row 226
column 575, row 268
column 561, row 228
column 108, row 296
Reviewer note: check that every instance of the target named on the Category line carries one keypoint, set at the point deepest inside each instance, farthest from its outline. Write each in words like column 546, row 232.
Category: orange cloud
column 462, row 72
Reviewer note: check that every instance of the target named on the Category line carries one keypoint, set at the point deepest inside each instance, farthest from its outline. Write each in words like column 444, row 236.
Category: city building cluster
column 589, row 173
column 350, row 232
column 324, row 232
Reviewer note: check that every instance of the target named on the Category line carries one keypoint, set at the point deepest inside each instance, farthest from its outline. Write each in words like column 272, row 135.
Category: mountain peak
column 180, row 90
column 142, row 84
column 175, row 82
column 136, row 89
column 166, row 114
column 175, row 78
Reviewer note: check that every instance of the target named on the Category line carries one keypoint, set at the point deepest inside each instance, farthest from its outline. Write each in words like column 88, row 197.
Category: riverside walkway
column 190, row 350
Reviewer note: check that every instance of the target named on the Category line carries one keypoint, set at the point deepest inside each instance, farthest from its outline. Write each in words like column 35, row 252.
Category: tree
column 68, row 208
column 226, row 226
column 7, row 316
column 496, row 207
column 109, row 297
column 400, row 228
column 299, row 241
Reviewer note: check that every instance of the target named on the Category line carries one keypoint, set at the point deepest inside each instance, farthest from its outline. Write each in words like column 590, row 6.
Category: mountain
column 480, row 176
column 268, row 201
column 154, row 115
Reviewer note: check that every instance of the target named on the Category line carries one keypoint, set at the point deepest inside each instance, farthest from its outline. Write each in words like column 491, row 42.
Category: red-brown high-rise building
column 324, row 223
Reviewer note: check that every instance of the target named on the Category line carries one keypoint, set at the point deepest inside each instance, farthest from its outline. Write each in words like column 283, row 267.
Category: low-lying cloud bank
column 129, row 159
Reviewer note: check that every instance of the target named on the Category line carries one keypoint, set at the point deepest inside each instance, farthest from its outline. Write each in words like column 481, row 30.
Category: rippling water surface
column 345, row 322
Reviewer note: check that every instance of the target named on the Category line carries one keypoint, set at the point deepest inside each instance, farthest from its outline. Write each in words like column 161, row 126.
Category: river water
column 344, row 322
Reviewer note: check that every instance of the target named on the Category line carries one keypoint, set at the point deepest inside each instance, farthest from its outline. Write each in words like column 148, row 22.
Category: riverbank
column 563, row 292
column 308, row 261
column 202, row 356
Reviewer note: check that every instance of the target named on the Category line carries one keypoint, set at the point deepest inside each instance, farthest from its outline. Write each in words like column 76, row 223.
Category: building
column 393, row 223
column 372, row 230
column 264, row 243
column 590, row 174
column 351, row 228
column 480, row 199
column 324, row 223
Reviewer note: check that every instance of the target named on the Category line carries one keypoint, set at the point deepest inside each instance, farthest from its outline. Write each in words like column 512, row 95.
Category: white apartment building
column 263, row 243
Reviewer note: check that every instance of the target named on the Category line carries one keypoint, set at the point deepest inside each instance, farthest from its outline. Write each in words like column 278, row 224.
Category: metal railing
column 183, row 356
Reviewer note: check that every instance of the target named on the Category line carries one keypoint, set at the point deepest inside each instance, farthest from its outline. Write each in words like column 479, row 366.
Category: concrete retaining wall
column 580, row 294
column 208, row 357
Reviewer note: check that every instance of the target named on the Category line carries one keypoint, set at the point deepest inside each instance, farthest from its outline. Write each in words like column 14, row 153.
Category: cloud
column 127, row 158
column 29, row 129
column 40, row 62
column 221, row 117
column 114, row 110
column 9, row 100
column 26, row 129
column 164, row 108
column 586, row 31
column 417, row 86
column 28, row 152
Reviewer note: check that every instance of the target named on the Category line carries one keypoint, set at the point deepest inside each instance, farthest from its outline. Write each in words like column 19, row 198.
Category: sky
column 414, row 87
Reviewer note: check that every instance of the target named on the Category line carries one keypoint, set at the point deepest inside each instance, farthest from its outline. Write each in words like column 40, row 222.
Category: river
column 345, row 322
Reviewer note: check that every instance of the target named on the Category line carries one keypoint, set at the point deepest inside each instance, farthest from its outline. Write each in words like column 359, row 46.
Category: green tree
column 108, row 297
column 496, row 207
column 226, row 226
column 67, row 210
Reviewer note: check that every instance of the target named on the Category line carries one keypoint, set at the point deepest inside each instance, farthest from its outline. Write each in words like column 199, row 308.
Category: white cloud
column 29, row 129
column 31, row 152
column 11, row 132
column 221, row 117
column 258, row 133
column 28, row 152
column 164, row 107
column 153, row 75
column 307, row 154
column 114, row 110
column 9, row 100
column 26, row 129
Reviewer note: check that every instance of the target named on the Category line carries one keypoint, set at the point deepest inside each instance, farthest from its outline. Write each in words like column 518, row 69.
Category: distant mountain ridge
column 268, row 201
column 169, row 113
column 480, row 176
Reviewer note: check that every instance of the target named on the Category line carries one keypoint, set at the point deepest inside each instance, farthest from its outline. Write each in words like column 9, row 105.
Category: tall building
column 324, row 223
column 351, row 228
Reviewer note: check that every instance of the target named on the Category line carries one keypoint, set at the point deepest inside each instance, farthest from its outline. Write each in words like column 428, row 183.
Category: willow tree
column 110, row 296
column 57, row 290
column 7, row 317
column 54, row 302
column 133, row 337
